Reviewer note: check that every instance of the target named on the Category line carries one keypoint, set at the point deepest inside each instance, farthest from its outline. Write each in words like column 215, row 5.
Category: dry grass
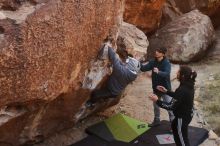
column 210, row 99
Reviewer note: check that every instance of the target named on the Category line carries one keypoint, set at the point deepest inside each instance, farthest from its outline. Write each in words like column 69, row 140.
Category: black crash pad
column 196, row 135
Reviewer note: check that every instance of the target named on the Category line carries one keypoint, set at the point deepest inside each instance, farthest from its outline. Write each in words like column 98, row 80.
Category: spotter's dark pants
column 180, row 130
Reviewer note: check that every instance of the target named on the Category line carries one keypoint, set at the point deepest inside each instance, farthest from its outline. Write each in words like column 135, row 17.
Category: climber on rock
column 124, row 71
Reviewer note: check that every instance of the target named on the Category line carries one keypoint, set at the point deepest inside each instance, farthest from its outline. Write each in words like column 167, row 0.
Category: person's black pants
column 180, row 130
column 100, row 94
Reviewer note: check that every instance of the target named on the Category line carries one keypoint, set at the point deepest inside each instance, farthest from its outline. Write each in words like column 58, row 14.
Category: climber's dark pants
column 101, row 94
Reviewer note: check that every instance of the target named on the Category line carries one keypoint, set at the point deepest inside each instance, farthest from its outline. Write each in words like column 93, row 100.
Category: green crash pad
column 118, row 128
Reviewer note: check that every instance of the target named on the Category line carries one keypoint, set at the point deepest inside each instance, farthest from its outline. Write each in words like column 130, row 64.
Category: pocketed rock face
column 45, row 55
column 169, row 13
column 207, row 7
column 187, row 38
column 216, row 18
column 9, row 4
column 145, row 14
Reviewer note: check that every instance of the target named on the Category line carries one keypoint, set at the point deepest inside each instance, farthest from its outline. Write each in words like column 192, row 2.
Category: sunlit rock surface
column 46, row 51
column 144, row 14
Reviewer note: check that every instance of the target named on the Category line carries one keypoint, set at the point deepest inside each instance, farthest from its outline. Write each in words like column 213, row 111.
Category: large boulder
column 133, row 39
column 46, row 51
column 187, row 38
column 145, row 14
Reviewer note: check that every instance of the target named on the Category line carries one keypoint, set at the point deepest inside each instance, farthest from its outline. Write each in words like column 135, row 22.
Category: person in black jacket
column 161, row 68
column 181, row 104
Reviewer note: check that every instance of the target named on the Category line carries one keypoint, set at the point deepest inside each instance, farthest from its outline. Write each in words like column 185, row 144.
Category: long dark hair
column 187, row 76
